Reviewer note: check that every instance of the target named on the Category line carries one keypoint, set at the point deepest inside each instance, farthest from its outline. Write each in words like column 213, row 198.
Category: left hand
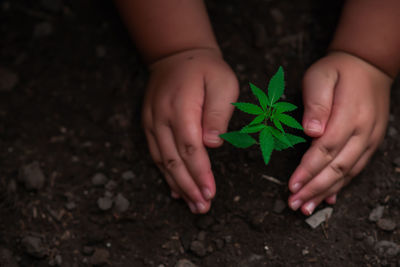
column 346, row 103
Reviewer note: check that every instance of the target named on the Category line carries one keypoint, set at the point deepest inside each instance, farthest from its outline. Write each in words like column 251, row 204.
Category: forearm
column 165, row 27
column 370, row 29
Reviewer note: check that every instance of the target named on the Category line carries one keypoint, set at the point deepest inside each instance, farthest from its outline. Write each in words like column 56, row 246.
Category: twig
column 272, row 179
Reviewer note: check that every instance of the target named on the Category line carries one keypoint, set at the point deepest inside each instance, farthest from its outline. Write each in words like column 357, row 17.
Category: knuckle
column 328, row 151
column 338, row 168
column 318, row 108
column 187, row 150
column 172, row 164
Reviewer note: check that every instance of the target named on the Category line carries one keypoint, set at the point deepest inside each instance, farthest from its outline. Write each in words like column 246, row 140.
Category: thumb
column 220, row 93
column 318, row 91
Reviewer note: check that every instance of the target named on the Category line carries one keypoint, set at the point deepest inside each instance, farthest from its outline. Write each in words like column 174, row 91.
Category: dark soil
column 76, row 111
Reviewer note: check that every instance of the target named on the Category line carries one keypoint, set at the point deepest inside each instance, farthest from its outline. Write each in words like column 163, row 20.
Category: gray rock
column 99, row 179
column 198, row 248
column 279, row 206
column 8, row 80
column 387, row 248
column 100, row 257
column 42, row 29
column 386, row 224
column 70, row 205
column 32, row 176
column 128, row 175
column 185, row 263
column 376, row 213
column 111, row 185
column 121, row 203
column 52, row 5
column 33, row 246
column 7, row 258
column 369, row 241
column 104, row 203
column 392, row 132
column 319, row 217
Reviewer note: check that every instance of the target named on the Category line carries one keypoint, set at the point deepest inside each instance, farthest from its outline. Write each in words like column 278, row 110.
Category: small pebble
column 392, row 132
column 387, row 248
column 198, row 248
column 32, row 176
column 99, row 179
column 34, row 246
column 121, row 203
column 185, row 263
column 279, row 206
column 104, row 203
column 70, row 205
column 376, row 213
column 100, row 257
column 111, row 185
column 128, row 175
column 386, row 224
column 201, row 236
column 101, row 51
column 369, row 241
column 8, row 80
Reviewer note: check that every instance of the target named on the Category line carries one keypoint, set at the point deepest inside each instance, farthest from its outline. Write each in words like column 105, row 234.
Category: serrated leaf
column 261, row 96
column 248, row 108
column 258, row 119
column 278, row 124
column 276, row 86
column 284, row 107
column 280, row 136
column 253, row 128
column 238, row 139
column 294, row 140
column 288, row 120
column 266, row 144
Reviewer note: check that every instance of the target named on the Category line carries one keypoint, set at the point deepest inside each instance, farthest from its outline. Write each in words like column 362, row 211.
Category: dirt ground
column 77, row 184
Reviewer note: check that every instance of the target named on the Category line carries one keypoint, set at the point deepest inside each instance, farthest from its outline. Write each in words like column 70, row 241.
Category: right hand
column 187, row 105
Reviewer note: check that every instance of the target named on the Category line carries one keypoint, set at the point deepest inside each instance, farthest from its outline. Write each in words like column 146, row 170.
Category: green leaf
column 288, row 120
column 241, row 140
column 266, row 144
column 280, row 136
column 278, row 124
column 294, row 140
column 284, row 107
column 253, row 128
column 258, row 119
column 261, row 96
column 276, row 86
column 248, row 108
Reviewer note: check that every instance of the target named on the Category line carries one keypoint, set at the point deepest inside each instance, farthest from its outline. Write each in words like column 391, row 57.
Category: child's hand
column 187, row 105
column 346, row 103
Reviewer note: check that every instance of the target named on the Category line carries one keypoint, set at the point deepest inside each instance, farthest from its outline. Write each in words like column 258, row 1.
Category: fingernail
column 212, row 137
column 310, row 208
column 192, row 207
column 207, row 193
column 296, row 204
column 314, row 126
column 200, row 206
column 296, row 187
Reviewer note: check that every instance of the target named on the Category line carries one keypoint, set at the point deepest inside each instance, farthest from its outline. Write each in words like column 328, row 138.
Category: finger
column 318, row 93
column 176, row 168
column 220, row 93
column 333, row 172
column 323, row 150
column 331, row 199
column 188, row 138
column 309, row 207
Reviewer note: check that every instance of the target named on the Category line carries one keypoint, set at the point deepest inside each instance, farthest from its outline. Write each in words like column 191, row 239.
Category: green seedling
column 270, row 116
